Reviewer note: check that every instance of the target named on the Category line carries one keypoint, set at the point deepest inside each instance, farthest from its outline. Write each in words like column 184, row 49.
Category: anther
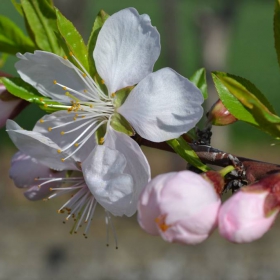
column 59, row 151
column 101, row 141
column 41, row 121
column 76, row 144
column 55, row 82
column 46, row 105
column 84, row 75
column 70, row 53
column 65, row 88
column 85, row 91
column 62, row 132
column 102, row 82
column 62, row 159
column 51, row 189
column 113, row 95
column 41, row 99
column 49, row 129
column 65, row 57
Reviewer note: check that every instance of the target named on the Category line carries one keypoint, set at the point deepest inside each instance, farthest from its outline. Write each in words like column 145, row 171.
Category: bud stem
column 226, row 170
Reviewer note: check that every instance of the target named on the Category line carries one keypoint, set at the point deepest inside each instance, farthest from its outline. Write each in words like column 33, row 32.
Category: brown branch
column 255, row 169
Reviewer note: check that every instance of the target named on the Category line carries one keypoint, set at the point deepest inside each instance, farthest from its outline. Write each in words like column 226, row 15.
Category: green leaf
column 246, row 102
column 119, row 123
column 276, row 27
column 17, row 6
column 3, row 59
column 73, row 39
column 23, row 90
column 183, row 149
column 98, row 23
column 199, row 79
column 41, row 21
column 12, row 39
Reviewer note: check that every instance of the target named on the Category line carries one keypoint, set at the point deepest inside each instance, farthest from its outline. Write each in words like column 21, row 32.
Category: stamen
column 41, row 121
column 90, row 218
column 71, row 96
column 84, row 140
column 113, row 229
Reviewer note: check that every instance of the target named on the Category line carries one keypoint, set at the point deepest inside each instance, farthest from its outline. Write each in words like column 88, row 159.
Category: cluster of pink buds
column 185, row 207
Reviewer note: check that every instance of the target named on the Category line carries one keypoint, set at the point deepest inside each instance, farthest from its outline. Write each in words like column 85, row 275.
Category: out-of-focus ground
column 34, row 243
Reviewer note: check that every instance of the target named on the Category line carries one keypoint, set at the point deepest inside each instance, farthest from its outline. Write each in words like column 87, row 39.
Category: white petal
column 163, row 106
column 25, row 169
column 35, row 193
column 24, row 172
column 39, row 147
column 137, row 165
column 103, row 173
column 126, row 50
column 62, row 117
column 42, row 68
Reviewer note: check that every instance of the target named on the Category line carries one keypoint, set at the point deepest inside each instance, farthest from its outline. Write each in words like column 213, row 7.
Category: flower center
column 88, row 109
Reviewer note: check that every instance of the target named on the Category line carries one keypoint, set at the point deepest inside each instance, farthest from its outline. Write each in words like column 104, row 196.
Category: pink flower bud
column 244, row 217
column 219, row 115
column 180, row 206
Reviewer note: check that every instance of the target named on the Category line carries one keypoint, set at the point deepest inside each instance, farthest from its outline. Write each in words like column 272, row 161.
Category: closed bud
column 219, row 115
column 250, row 213
column 180, row 207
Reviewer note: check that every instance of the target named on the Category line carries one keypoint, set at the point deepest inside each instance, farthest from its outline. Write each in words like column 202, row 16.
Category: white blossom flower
column 44, row 183
column 162, row 106
column 114, row 181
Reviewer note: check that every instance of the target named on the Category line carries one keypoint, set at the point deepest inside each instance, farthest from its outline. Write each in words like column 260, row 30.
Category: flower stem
column 226, row 170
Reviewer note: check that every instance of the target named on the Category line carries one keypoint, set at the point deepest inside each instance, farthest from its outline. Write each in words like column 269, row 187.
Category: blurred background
column 232, row 36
